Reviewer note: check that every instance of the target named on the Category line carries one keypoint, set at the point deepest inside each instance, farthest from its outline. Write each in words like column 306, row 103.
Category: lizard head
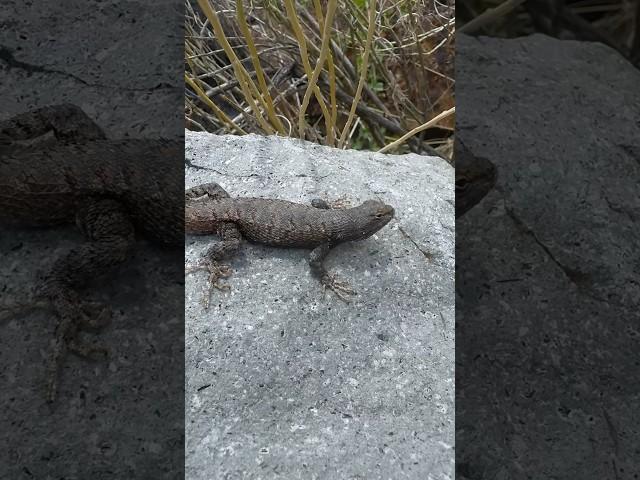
column 372, row 217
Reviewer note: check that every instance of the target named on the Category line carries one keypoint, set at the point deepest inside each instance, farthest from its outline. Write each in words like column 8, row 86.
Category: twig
column 418, row 129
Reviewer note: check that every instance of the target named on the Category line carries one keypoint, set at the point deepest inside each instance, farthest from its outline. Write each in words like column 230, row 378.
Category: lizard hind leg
column 231, row 240
column 110, row 237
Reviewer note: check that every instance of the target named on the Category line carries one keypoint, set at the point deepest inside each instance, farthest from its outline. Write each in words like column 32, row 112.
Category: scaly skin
column 111, row 189
column 279, row 223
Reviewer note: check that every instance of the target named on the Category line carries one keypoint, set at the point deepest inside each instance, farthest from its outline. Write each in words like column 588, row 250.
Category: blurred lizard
column 111, row 189
column 475, row 177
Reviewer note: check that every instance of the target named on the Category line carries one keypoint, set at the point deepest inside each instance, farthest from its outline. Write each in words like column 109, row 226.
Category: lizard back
column 287, row 224
column 44, row 185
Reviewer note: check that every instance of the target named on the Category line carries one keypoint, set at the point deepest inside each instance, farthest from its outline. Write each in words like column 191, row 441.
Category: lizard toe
column 73, row 315
column 66, row 330
column 95, row 315
column 213, row 283
column 195, row 268
column 224, row 270
column 340, row 288
column 88, row 351
column 216, row 272
column 16, row 309
column 211, row 266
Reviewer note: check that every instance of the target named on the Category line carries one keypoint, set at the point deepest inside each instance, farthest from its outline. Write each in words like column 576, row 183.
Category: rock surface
column 283, row 381
column 115, row 60
column 547, row 265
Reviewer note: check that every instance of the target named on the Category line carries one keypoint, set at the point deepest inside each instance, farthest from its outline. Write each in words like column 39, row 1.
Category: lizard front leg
column 338, row 204
column 67, row 122
column 316, row 261
column 110, row 236
column 231, row 240
column 210, row 191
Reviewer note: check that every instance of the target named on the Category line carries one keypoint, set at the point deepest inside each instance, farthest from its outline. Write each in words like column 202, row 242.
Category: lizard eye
column 461, row 183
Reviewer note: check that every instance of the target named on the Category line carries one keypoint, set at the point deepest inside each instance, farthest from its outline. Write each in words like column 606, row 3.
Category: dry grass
column 347, row 73
column 613, row 22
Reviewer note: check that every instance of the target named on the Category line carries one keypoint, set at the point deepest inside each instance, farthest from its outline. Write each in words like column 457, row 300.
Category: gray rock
column 108, row 58
column 548, row 263
column 283, row 381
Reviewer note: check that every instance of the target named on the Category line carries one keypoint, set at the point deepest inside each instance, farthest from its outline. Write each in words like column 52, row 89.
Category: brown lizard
column 112, row 189
column 210, row 210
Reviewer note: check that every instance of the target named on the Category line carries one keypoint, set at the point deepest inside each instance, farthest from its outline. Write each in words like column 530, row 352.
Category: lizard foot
column 341, row 289
column 93, row 312
column 74, row 315
column 75, row 346
column 12, row 310
column 216, row 272
column 337, row 204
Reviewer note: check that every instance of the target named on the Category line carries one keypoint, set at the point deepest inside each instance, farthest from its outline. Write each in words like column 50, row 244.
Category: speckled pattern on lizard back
column 210, row 210
column 57, row 167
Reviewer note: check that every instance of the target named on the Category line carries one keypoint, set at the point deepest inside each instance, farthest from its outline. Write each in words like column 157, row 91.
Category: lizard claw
column 88, row 351
column 95, row 315
column 216, row 272
column 210, row 266
column 74, row 315
column 12, row 310
column 75, row 346
column 341, row 289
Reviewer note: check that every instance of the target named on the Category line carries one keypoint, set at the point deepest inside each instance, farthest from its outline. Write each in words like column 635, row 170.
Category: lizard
column 209, row 209
column 475, row 177
column 58, row 167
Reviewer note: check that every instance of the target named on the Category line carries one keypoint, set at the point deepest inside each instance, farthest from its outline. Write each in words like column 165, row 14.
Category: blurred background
column 612, row 22
column 356, row 74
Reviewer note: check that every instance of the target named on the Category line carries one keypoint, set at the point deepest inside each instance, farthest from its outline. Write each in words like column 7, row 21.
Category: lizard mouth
column 384, row 214
column 386, row 211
